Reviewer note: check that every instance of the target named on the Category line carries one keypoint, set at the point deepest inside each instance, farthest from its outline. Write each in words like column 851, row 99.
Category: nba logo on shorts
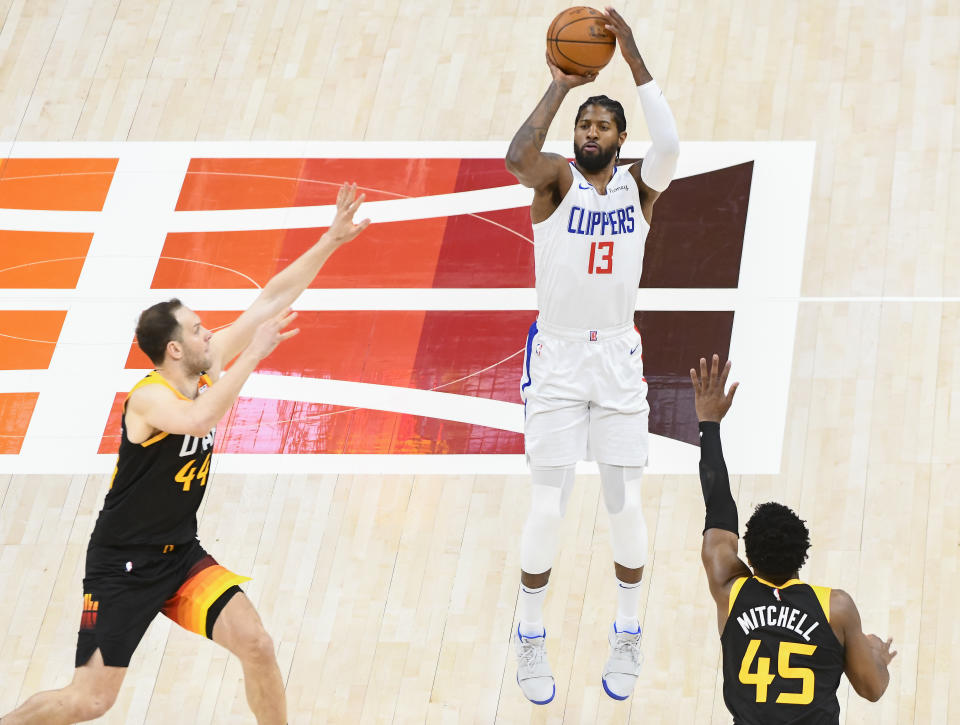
column 539, row 348
column 593, row 335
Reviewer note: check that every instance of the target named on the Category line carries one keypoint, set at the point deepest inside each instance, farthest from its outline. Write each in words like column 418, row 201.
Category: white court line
column 381, row 298
column 296, row 217
column 75, row 399
column 503, row 299
column 666, row 456
column 881, row 299
column 698, row 158
column 414, row 401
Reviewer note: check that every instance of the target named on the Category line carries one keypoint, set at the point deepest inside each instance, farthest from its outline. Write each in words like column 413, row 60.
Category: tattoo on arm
column 533, row 132
column 536, row 135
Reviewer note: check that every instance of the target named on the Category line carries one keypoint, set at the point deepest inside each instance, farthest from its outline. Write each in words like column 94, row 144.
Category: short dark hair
column 615, row 107
column 156, row 327
column 776, row 540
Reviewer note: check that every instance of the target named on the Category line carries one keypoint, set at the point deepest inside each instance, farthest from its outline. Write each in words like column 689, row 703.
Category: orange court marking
column 16, row 409
column 42, row 260
column 55, row 184
column 259, row 183
column 28, row 338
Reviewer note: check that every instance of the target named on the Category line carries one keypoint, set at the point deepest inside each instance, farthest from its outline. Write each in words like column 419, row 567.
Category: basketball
column 577, row 41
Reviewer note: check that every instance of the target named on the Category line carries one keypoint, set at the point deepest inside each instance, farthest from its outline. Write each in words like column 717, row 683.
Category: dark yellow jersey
column 781, row 660
column 157, row 485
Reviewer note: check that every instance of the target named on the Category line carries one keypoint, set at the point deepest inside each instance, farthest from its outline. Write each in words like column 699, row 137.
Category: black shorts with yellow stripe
column 125, row 588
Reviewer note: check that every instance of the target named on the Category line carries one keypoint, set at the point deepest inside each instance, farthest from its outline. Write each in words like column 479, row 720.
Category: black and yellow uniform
column 781, row 660
column 144, row 556
column 157, row 486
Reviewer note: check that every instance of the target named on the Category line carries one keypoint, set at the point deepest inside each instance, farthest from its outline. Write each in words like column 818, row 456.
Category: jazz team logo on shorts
column 88, row 620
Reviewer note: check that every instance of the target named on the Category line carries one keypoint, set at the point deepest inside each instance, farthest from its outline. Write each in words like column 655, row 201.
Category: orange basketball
column 578, row 42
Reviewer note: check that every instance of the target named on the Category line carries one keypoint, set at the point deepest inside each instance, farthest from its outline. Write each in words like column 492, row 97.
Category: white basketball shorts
column 585, row 397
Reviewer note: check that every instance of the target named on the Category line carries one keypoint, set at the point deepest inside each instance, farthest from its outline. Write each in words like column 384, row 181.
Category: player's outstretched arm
column 285, row 286
column 721, row 527
column 525, row 158
column 866, row 656
column 156, row 407
column 656, row 170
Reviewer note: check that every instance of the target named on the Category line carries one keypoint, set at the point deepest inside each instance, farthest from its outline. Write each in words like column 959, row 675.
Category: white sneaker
column 533, row 671
column 623, row 665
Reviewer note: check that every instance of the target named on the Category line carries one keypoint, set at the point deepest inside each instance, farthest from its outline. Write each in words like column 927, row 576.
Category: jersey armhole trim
column 150, row 441
column 823, row 596
column 734, row 591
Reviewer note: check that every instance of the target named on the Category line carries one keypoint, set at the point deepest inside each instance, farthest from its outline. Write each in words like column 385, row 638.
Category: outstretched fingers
column 346, row 196
column 731, row 392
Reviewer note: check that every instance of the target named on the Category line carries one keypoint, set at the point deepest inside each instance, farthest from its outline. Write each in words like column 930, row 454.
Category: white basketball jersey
column 589, row 255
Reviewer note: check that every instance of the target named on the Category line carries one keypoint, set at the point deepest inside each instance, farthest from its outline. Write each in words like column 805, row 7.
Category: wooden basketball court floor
column 391, row 597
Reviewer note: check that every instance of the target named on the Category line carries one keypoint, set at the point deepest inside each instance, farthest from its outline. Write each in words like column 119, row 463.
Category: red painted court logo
column 411, row 339
column 88, row 620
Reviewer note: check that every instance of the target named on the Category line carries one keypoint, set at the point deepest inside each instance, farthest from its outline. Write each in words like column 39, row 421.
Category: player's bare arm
column 719, row 550
column 154, row 408
column 284, row 287
column 866, row 656
column 547, row 174
column 654, row 173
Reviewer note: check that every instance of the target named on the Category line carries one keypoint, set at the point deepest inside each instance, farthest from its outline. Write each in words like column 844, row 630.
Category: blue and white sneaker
column 533, row 671
column 623, row 665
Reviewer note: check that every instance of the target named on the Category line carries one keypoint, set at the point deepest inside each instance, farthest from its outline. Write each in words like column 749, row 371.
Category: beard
column 597, row 161
column 196, row 364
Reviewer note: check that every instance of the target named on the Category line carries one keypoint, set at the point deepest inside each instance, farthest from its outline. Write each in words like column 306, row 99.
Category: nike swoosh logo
column 585, row 187
column 634, row 350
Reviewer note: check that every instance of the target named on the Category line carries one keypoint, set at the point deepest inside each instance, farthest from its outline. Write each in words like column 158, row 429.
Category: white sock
column 530, row 606
column 628, row 604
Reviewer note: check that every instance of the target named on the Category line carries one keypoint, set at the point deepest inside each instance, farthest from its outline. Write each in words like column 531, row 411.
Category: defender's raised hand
column 342, row 229
column 711, row 402
column 271, row 332
column 882, row 648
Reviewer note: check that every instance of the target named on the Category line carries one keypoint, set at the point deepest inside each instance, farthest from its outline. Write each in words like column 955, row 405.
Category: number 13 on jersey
column 601, row 258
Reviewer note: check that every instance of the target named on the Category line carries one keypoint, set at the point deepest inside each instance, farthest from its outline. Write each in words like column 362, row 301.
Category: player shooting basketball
column 583, row 387
column 785, row 643
column 144, row 556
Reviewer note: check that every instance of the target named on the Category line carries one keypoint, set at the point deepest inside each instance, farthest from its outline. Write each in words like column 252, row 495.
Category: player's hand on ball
column 711, row 402
column 565, row 79
column 343, row 229
column 618, row 26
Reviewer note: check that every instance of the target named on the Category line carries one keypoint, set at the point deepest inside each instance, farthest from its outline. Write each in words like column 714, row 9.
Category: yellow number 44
column 762, row 677
column 186, row 474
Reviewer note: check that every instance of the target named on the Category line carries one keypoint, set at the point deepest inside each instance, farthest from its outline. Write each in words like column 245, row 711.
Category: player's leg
column 619, row 443
column 91, row 693
column 549, row 491
column 628, row 537
column 239, row 629
column 117, row 609
column 555, row 433
column 628, row 533
column 209, row 602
